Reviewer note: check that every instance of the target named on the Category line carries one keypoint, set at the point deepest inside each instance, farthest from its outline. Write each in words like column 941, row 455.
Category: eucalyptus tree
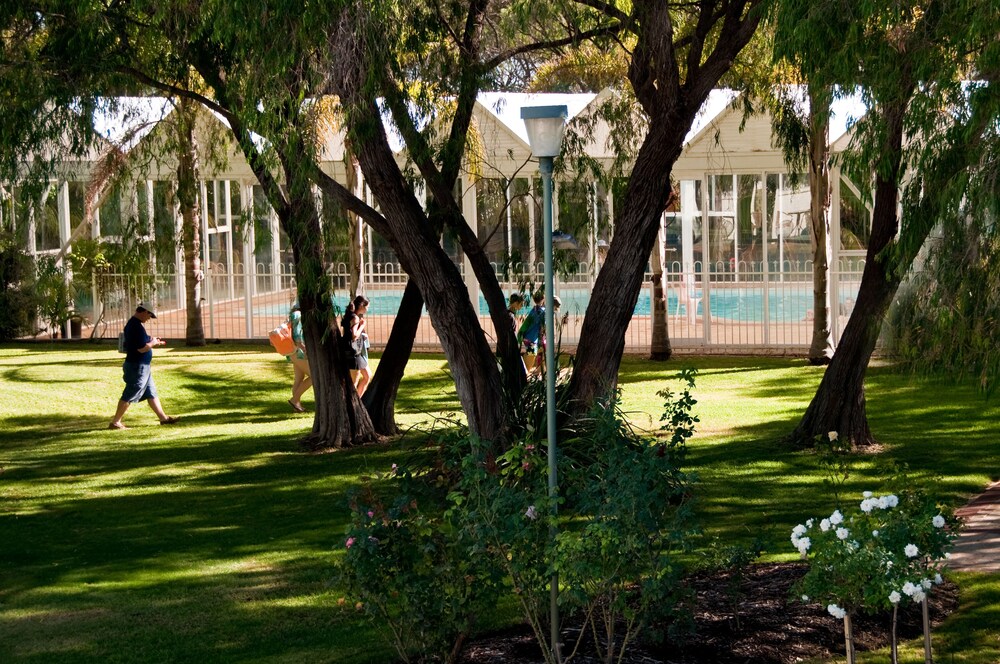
column 55, row 83
column 920, row 145
column 456, row 48
column 682, row 50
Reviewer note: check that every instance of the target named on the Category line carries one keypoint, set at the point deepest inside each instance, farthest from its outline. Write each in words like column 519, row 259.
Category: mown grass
column 215, row 540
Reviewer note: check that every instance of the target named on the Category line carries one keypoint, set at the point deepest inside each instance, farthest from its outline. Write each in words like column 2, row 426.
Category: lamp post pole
column 545, row 168
column 545, row 126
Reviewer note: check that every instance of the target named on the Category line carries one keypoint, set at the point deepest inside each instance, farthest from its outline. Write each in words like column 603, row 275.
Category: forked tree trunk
column 660, row 344
column 340, row 419
column 821, row 348
column 602, row 337
column 839, row 403
column 380, row 397
column 470, row 357
column 671, row 101
column 187, row 198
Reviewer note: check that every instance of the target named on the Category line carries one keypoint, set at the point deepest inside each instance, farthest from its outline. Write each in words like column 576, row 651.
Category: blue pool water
column 736, row 304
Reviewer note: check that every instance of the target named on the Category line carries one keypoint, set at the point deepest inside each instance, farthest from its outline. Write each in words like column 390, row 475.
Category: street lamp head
column 545, row 125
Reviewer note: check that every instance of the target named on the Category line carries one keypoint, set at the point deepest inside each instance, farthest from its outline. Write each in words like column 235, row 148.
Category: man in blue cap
column 137, row 369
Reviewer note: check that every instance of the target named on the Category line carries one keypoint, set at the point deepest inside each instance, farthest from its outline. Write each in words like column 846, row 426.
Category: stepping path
column 977, row 548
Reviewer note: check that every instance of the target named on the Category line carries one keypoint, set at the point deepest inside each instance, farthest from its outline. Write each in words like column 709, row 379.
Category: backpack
column 281, row 338
column 121, row 343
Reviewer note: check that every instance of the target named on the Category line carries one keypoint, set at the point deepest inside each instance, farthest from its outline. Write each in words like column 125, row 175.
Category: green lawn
column 215, row 540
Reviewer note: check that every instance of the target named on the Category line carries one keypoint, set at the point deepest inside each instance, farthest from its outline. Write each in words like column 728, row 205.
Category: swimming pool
column 736, row 304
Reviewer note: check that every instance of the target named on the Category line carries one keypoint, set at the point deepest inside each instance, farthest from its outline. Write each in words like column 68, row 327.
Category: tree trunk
column 821, row 349
column 188, row 199
column 470, row 357
column 380, row 397
column 849, row 640
column 839, row 403
column 602, row 338
column 340, row 420
column 660, row 344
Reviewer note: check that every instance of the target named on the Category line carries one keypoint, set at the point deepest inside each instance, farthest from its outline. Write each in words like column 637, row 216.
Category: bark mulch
column 773, row 627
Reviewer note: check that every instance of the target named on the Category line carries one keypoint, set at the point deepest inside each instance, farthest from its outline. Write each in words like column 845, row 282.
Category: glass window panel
column 6, row 210
column 855, row 219
column 576, row 209
column 263, row 239
column 77, row 191
column 520, row 222
column 112, row 215
column 749, row 223
column 210, row 199
column 789, row 246
column 683, row 248
column 164, row 226
column 21, row 215
column 337, row 238
column 47, row 222
column 491, row 213
column 722, row 225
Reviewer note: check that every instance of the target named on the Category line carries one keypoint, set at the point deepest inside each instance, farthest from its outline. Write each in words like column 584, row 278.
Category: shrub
column 428, row 565
column 18, row 301
column 876, row 553
column 412, row 571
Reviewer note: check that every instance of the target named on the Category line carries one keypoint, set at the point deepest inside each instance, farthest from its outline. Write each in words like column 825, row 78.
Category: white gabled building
column 737, row 241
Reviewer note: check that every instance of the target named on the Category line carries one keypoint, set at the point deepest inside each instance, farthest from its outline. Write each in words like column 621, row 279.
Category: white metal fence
column 745, row 306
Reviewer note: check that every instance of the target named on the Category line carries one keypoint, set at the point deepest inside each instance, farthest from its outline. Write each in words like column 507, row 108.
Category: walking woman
column 300, row 364
column 355, row 338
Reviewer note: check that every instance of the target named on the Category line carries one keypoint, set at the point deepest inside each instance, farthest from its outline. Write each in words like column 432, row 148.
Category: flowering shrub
column 412, row 572
column 426, row 565
column 889, row 547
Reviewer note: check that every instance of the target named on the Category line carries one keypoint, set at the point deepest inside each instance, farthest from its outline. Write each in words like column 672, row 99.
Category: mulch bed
column 773, row 628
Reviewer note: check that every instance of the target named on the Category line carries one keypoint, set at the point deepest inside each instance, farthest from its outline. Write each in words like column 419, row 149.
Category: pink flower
column 350, row 542
column 370, row 514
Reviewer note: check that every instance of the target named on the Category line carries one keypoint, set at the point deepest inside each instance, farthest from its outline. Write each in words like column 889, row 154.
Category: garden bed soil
column 773, row 627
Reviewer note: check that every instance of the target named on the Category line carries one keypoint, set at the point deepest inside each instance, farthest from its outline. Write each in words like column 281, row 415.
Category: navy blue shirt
column 136, row 338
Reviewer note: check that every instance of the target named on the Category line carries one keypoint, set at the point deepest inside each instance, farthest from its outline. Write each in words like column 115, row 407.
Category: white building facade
column 737, row 242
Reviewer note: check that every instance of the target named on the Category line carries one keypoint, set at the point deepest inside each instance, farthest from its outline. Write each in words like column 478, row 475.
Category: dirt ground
column 773, row 628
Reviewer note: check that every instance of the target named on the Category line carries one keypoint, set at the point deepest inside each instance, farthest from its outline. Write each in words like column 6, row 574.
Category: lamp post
column 545, row 125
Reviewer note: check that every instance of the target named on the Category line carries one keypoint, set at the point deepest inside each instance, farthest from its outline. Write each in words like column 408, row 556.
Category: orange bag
column 281, row 339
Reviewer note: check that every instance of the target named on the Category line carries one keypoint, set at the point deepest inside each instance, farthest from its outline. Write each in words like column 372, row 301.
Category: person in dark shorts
column 353, row 324
column 136, row 369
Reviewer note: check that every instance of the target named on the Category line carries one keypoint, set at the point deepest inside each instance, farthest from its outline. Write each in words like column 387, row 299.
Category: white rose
column 805, row 598
column 926, row 583
column 843, row 533
column 804, row 545
column 874, row 533
column 824, row 525
column 938, row 521
column 836, row 611
column 894, row 597
column 892, row 500
column 867, row 504
column 866, row 494
column 883, row 503
column 836, row 517
column 799, row 530
column 809, row 523
column 918, row 596
column 938, row 580
column 911, row 550
column 909, row 589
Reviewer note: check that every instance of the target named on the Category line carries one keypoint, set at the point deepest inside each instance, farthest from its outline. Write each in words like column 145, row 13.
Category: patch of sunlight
column 297, row 602
column 183, row 570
